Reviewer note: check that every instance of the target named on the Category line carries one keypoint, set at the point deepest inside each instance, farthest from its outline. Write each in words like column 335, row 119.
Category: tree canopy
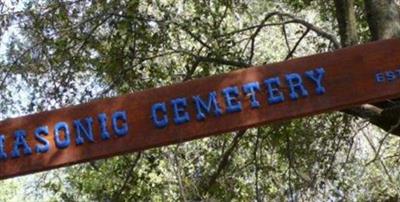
column 60, row 53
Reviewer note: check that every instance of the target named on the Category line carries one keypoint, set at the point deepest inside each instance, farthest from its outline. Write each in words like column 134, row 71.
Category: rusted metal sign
column 200, row 108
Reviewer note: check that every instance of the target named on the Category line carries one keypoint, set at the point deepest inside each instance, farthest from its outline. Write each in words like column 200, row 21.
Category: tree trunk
column 383, row 18
column 345, row 15
column 384, row 22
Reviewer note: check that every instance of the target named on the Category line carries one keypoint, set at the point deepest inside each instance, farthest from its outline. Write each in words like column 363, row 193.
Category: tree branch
column 225, row 158
column 293, row 19
column 297, row 44
column 221, row 61
column 128, row 177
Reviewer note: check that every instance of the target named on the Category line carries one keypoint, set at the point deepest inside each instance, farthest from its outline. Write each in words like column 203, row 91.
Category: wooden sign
column 200, row 108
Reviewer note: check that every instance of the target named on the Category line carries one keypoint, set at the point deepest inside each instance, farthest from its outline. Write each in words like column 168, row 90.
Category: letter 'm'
column 202, row 107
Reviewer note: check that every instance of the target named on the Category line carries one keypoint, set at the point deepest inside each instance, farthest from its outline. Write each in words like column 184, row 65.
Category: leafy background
column 60, row 53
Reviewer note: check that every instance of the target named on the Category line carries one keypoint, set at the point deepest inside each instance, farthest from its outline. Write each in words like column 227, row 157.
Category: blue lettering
column 316, row 76
column 397, row 72
column 231, row 94
column 81, row 130
column 275, row 96
column 202, row 107
column 3, row 154
column 296, row 83
column 380, row 77
column 123, row 130
column 250, row 90
column 20, row 141
column 104, row 134
column 61, row 144
column 45, row 146
column 390, row 76
column 180, row 115
column 163, row 122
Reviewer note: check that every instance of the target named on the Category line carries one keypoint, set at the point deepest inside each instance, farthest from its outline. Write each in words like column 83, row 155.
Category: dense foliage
column 58, row 53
